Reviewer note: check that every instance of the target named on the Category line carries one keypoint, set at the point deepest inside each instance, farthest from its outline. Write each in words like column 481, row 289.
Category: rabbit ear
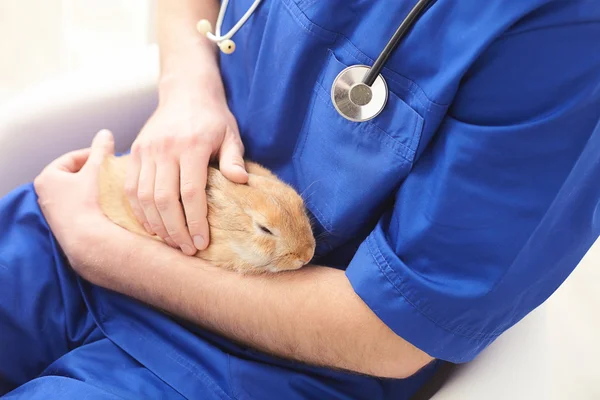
column 256, row 169
column 259, row 181
column 216, row 179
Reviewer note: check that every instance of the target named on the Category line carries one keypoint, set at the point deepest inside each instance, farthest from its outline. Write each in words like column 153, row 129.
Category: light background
column 40, row 39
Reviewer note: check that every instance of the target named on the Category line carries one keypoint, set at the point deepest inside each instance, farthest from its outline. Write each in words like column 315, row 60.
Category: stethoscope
column 359, row 93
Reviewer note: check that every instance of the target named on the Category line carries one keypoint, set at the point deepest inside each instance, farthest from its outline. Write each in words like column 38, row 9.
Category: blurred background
column 42, row 39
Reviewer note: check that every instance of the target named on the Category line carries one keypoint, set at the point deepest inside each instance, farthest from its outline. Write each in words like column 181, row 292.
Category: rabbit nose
column 308, row 256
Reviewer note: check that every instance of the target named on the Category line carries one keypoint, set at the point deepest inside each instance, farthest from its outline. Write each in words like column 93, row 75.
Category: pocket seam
column 299, row 151
column 409, row 152
column 307, row 24
column 370, row 124
column 318, row 92
column 409, row 131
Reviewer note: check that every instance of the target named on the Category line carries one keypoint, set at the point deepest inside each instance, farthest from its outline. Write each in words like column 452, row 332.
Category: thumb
column 102, row 146
column 231, row 158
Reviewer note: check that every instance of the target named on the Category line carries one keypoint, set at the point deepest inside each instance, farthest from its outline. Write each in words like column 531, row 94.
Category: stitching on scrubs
column 319, row 94
column 407, row 84
column 394, row 76
column 299, row 150
column 209, row 382
column 56, row 255
column 183, row 362
column 54, row 376
column 371, row 245
column 409, row 152
column 308, row 25
column 232, row 387
column 99, row 307
column 416, row 138
column 510, row 34
column 304, row 4
column 402, row 154
column 326, row 222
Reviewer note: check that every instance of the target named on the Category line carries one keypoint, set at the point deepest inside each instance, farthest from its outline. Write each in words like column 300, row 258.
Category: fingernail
column 187, row 249
column 199, row 242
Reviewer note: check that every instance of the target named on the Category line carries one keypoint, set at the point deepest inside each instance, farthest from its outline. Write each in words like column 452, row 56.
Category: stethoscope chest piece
column 353, row 99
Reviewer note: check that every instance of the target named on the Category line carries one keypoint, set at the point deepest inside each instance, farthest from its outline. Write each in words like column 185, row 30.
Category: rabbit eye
column 264, row 229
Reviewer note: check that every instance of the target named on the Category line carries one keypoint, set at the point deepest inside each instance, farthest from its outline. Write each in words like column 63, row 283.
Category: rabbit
column 258, row 227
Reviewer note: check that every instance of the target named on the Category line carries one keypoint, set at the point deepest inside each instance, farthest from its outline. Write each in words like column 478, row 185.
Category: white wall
column 42, row 38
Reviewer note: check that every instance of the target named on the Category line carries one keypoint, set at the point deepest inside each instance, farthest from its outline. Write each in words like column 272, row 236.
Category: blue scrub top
column 475, row 193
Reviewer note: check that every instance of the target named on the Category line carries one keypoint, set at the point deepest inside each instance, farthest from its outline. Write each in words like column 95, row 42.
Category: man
column 445, row 220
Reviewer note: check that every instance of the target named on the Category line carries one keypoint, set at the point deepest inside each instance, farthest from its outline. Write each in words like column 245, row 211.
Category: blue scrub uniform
column 455, row 212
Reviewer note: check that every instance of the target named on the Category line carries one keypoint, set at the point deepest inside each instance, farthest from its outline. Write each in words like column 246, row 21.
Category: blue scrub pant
column 61, row 337
column 50, row 345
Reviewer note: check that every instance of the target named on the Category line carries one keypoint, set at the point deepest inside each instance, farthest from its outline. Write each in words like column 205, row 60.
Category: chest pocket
column 347, row 171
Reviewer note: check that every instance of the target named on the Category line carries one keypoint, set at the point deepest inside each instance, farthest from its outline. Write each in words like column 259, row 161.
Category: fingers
column 151, row 220
column 102, row 146
column 194, row 165
column 132, row 187
column 166, row 198
column 231, row 158
column 72, row 161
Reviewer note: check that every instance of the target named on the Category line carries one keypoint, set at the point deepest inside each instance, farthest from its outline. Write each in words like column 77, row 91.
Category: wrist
column 195, row 69
column 203, row 85
column 95, row 251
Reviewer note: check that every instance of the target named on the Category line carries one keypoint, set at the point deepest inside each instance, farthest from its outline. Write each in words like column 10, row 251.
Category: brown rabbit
column 261, row 226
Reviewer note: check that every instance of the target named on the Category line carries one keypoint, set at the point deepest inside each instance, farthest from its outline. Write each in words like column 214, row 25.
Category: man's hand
column 170, row 161
column 68, row 196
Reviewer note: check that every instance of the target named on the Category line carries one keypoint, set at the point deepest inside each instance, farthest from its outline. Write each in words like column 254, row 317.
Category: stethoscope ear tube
column 224, row 42
column 408, row 23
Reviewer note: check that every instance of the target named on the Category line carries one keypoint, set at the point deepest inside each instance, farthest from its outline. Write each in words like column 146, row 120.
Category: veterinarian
column 447, row 210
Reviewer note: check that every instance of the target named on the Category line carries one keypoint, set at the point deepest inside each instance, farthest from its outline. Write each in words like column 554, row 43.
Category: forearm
column 311, row 315
column 187, row 58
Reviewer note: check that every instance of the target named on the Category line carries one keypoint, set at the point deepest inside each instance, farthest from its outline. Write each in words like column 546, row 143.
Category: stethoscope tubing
column 217, row 36
column 351, row 94
column 404, row 27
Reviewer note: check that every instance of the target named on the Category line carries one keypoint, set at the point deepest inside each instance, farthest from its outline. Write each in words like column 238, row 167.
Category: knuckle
column 197, row 140
column 200, row 140
column 40, row 182
column 139, row 147
column 240, row 144
column 135, row 148
column 175, row 235
column 163, row 200
column 37, row 182
column 236, row 141
column 196, row 225
column 146, row 199
column 167, row 143
column 131, row 190
column 189, row 191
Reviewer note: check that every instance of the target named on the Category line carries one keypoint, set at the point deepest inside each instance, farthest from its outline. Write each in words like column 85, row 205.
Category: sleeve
column 463, row 253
